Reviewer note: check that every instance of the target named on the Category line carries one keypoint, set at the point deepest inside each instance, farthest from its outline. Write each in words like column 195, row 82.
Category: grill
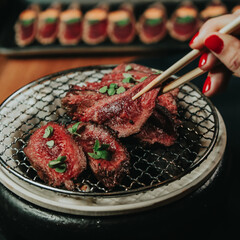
column 40, row 102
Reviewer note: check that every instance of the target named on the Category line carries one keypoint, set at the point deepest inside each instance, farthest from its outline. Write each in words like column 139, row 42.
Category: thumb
column 227, row 49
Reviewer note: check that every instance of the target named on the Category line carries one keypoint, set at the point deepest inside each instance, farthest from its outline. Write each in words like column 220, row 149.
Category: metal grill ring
column 40, row 102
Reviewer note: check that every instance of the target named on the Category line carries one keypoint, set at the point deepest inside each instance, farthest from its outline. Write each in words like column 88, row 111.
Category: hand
column 224, row 56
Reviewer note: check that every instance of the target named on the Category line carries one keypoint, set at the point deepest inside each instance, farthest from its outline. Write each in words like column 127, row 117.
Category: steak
column 77, row 100
column 160, row 128
column 110, row 172
column 121, row 113
column 41, row 153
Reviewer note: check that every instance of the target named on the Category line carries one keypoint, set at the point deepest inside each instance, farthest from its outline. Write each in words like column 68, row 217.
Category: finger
column 216, row 81
column 207, row 61
column 227, row 49
column 212, row 25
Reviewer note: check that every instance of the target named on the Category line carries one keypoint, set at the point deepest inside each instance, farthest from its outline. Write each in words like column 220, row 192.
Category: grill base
column 203, row 207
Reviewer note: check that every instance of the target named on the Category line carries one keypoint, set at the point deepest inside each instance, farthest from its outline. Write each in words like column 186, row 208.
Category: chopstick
column 184, row 79
column 184, row 61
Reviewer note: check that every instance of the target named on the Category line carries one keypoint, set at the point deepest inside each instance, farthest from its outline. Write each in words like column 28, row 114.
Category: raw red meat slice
column 152, row 24
column 95, row 25
column 40, row 154
column 121, row 113
column 26, row 27
column 48, row 25
column 70, row 27
column 121, row 26
column 109, row 172
column 184, row 22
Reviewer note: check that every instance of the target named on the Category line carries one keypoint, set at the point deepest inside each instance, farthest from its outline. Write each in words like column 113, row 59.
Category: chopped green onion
column 58, row 164
column 153, row 21
column 27, row 22
column 123, row 23
column 91, row 22
column 50, row 20
column 113, row 85
column 183, row 20
column 73, row 129
column 121, row 90
column 50, row 143
column 103, row 89
column 61, row 168
column 48, row 132
column 73, row 20
column 111, row 91
column 100, row 152
column 142, row 79
column 128, row 67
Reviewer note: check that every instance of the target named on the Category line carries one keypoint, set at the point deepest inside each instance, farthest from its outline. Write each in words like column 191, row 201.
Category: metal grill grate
column 40, row 102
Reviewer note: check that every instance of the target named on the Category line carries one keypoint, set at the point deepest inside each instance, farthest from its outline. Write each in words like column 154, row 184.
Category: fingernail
column 203, row 60
column 192, row 40
column 207, row 85
column 214, row 43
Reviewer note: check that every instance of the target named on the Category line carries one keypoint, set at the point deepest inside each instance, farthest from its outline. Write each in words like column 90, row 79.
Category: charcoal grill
column 157, row 174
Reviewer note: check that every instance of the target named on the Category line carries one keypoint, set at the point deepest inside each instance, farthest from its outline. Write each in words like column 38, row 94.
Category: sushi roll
column 26, row 26
column 214, row 9
column 151, row 26
column 95, row 25
column 48, row 24
column 184, row 22
column 121, row 25
column 70, row 27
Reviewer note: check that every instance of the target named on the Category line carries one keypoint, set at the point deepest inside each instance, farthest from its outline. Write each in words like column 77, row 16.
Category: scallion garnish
column 100, row 152
column 73, row 129
column 59, row 164
column 128, row 67
column 48, row 132
column 121, row 90
column 50, row 143
column 123, row 23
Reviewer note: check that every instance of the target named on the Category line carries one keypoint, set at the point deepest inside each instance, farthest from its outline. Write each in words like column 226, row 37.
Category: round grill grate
column 40, row 102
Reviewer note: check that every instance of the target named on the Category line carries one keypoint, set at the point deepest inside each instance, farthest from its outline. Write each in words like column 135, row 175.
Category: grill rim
column 114, row 193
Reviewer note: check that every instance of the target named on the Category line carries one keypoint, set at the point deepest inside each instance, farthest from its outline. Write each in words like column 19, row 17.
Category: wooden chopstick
column 184, row 79
column 184, row 61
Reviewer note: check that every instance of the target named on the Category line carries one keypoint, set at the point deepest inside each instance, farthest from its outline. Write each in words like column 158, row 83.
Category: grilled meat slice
column 111, row 171
column 121, row 113
column 77, row 100
column 161, row 128
column 43, row 148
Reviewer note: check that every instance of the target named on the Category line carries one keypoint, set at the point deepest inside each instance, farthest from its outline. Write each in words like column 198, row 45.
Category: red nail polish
column 207, row 85
column 214, row 43
column 203, row 60
column 192, row 40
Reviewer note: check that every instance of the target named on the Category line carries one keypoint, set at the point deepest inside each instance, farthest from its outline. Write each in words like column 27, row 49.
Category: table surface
column 16, row 72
